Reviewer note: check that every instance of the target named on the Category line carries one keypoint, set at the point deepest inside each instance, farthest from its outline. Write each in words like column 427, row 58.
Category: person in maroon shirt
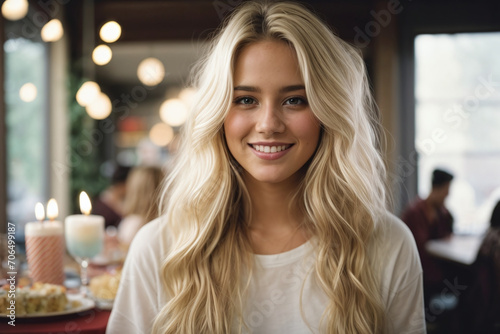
column 429, row 219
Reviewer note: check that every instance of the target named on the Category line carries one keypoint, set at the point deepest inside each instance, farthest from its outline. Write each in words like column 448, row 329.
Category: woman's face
column 270, row 129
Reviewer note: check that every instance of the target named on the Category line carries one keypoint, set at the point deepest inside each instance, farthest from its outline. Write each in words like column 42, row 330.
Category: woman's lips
column 270, row 151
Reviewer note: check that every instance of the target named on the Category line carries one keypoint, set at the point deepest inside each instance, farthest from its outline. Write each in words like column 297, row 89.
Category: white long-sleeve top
column 274, row 305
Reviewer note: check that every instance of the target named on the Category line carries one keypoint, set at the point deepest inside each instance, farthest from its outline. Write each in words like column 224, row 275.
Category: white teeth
column 269, row 149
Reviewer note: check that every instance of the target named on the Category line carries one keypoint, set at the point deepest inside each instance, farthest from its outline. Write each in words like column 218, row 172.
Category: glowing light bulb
column 52, row 31
column 87, row 93
column 173, row 112
column 161, row 134
column 110, row 32
column 102, row 55
column 100, row 108
column 15, row 9
column 151, row 71
column 28, row 92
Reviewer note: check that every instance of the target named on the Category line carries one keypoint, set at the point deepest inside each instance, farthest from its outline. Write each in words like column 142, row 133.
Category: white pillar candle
column 84, row 233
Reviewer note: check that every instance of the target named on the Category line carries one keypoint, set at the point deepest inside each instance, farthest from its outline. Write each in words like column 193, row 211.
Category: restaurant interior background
column 433, row 65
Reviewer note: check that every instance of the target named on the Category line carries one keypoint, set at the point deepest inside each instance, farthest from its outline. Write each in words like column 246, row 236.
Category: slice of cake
column 39, row 298
column 46, row 298
column 4, row 301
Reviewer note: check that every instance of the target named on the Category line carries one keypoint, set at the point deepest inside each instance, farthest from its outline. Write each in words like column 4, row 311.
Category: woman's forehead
column 268, row 60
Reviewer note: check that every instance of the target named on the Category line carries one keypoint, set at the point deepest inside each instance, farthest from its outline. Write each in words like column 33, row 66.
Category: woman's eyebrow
column 247, row 88
column 292, row 88
column 285, row 89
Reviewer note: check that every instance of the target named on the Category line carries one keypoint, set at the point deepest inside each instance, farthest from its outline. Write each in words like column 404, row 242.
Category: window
column 457, row 121
column 27, row 134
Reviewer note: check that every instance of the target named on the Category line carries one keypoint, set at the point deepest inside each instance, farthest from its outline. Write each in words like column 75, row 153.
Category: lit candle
column 52, row 209
column 84, row 233
column 39, row 212
column 45, row 246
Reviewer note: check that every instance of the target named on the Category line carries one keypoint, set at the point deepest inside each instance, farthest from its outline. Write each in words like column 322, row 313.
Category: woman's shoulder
column 393, row 249
column 392, row 229
column 151, row 241
column 140, row 295
column 397, row 265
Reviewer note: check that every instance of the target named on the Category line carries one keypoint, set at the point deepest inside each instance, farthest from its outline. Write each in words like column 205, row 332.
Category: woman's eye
column 295, row 101
column 245, row 100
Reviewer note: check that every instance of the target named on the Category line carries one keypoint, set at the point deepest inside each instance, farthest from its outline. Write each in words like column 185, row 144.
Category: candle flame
column 39, row 211
column 52, row 209
column 85, row 205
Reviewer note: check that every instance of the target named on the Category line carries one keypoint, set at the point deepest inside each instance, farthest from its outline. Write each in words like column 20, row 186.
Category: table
column 461, row 249
column 89, row 322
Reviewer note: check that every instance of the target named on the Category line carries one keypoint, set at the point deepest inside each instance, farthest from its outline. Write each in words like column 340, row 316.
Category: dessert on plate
column 39, row 298
column 105, row 286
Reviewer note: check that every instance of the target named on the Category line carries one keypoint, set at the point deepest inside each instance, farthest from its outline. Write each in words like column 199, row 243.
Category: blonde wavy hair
column 206, row 205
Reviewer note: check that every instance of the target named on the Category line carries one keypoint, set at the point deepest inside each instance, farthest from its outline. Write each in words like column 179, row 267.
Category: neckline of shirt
column 280, row 259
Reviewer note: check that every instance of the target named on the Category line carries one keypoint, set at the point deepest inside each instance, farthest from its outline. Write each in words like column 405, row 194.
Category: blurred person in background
column 109, row 203
column 141, row 201
column 429, row 219
column 480, row 308
column 490, row 247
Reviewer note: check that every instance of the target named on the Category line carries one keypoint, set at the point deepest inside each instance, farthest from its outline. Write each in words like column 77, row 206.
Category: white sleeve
column 406, row 312
column 138, row 300
column 402, row 280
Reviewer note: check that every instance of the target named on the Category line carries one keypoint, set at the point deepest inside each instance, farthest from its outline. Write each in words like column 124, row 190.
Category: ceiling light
column 28, row 92
column 173, row 112
column 151, row 71
column 102, row 55
column 15, row 9
column 161, row 134
column 52, row 31
column 87, row 93
column 100, row 108
column 110, row 32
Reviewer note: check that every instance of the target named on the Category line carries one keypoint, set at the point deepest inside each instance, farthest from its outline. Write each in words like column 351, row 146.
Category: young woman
column 275, row 218
column 140, row 201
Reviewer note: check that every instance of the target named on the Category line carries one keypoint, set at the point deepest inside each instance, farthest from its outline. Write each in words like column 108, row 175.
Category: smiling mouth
column 270, row 149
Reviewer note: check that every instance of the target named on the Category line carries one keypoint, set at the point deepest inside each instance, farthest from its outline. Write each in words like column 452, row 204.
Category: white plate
column 104, row 304
column 85, row 304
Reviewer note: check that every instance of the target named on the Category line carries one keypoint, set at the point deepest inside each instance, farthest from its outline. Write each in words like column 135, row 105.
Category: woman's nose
column 269, row 120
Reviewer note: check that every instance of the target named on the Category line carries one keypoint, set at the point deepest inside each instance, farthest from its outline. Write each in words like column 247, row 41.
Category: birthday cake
column 39, row 298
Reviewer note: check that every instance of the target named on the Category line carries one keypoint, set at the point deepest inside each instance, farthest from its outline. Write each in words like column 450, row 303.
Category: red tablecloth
column 89, row 322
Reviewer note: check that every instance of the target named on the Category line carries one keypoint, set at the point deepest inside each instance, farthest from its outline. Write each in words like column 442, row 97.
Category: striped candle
column 45, row 251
